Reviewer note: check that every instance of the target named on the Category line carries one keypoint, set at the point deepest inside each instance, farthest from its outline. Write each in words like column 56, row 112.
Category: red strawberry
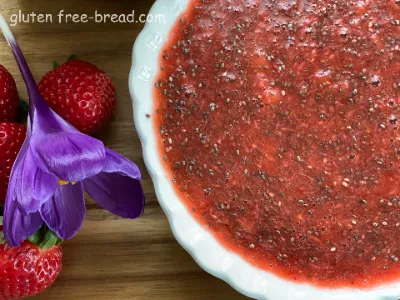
column 9, row 98
column 12, row 136
column 80, row 93
column 27, row 270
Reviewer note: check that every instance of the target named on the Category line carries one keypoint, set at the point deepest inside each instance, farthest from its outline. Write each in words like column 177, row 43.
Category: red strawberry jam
column 279, row 125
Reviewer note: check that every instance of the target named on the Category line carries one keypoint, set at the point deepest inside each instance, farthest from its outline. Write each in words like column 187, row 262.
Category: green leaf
column 44, row 238
column 50, row 240
column 2, row 238
column 55, row 64
column 72, row 57
column 36, row 237
column 23, row 106
column 22, row 112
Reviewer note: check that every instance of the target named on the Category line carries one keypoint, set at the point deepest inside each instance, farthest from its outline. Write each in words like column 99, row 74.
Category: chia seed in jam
column 279, row 124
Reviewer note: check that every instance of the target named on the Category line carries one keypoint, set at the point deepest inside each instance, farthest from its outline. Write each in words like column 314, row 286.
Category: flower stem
column 33, row 90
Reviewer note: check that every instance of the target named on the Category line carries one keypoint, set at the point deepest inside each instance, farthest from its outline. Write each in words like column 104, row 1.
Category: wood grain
column 110, row 258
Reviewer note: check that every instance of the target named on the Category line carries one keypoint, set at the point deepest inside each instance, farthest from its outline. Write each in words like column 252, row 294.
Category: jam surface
column 278, row 122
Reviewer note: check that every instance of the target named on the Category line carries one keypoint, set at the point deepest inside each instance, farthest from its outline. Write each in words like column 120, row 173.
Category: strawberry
column 81, row 94
column 28, row 269
column 12, row 136
column 9, row 98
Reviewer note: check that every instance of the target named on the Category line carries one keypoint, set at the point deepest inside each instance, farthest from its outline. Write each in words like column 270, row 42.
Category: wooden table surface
column 111, row 258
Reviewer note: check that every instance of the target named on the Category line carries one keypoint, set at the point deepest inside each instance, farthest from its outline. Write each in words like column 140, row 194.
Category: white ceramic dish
column 203, row 247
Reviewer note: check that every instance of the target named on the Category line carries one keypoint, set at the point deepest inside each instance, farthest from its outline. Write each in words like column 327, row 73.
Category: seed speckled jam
column 279, row 124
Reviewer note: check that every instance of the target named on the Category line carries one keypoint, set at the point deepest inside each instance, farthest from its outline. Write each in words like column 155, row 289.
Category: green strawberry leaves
column 45, row 238
column 22, row 111
column 35, row 238
column 2, row 238
column 72, row 57
column 50, row 240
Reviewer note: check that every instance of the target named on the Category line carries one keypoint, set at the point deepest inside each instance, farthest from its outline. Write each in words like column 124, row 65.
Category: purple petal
column 117, row 188
column 33, row 187
column 50, row 122
column 16, row 226
column 116, row 163
column 65, row 211
column 70, row 155
column 121, row 195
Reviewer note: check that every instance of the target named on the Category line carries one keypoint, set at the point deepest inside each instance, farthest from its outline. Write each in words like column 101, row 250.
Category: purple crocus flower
column 55, row 165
